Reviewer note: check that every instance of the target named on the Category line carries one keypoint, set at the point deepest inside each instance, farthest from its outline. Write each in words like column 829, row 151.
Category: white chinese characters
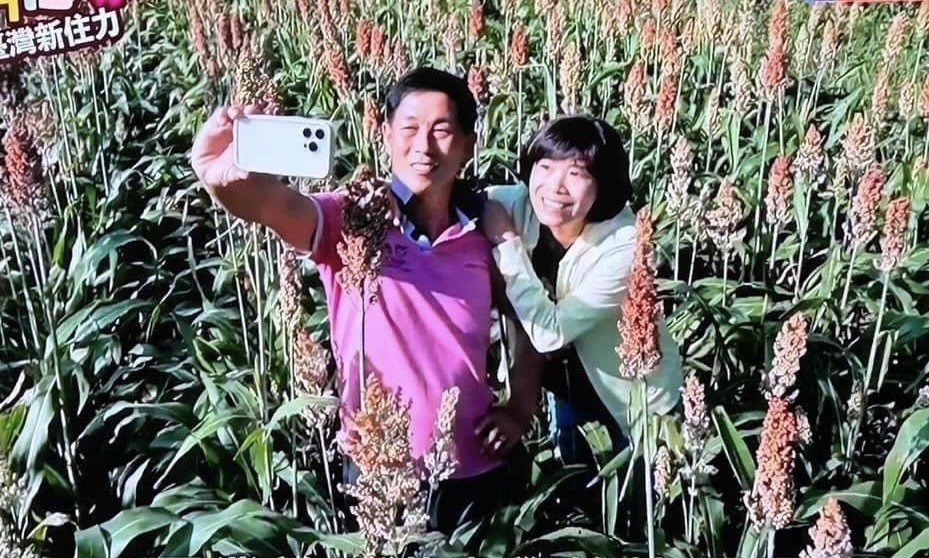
column 51, row 36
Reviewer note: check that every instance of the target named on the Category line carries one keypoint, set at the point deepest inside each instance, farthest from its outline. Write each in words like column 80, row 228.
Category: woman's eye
column 579, row 173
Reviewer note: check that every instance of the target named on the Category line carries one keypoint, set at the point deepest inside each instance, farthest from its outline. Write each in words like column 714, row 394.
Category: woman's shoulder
column 617, row 233
column 507, row 194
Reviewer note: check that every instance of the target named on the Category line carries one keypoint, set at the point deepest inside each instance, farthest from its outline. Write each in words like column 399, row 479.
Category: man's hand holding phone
column 213, row 154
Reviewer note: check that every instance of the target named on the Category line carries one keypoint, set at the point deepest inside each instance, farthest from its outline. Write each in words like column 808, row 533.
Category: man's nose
column 422, row 141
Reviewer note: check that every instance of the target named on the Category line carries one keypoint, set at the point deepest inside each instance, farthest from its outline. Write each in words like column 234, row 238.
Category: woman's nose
column 555, row 186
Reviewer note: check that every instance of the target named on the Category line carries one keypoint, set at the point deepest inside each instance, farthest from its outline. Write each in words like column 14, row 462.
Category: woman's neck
column 567, row 233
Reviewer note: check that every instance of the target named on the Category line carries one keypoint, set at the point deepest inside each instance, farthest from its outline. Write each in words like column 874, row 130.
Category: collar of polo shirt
column 466, row 204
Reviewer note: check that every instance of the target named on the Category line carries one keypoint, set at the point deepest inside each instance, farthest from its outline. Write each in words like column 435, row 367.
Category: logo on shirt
column 57, row 26
column 395, row 256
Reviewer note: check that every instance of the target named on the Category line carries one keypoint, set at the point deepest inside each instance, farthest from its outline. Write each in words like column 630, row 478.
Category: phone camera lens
column 313, row 146
column 320, row 134
column 307, row 132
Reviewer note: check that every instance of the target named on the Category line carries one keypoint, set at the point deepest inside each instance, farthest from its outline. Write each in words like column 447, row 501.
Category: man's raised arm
column 254, row 197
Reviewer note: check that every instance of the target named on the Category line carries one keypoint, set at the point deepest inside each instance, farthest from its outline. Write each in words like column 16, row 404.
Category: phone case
column 283, row 145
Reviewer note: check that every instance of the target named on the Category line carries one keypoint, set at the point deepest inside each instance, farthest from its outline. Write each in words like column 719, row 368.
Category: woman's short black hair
column 597, row 144
column 431, row 79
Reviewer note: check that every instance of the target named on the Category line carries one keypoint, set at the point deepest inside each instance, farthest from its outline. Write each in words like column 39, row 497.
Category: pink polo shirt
column 428, row 331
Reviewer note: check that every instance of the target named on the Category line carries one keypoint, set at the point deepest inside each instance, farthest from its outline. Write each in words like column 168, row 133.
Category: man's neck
column 432, row 212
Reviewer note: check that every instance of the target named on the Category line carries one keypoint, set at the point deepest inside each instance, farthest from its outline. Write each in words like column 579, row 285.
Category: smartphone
column 284, row 145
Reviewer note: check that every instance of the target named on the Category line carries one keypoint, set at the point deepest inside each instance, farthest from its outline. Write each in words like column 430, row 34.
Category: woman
column 564, row 242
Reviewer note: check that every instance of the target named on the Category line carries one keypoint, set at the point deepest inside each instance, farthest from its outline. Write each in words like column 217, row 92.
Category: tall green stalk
column 761, row 168
column 848, row 275
column 62, row 388
column 872, row 354
column 803, row 225
column 647, row 458
column 254, row 271
column 725, row 274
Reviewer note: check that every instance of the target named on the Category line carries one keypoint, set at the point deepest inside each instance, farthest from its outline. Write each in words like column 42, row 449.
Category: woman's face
column 562, row 191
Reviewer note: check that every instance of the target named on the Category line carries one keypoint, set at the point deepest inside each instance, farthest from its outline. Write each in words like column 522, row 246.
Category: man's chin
column 419, row 183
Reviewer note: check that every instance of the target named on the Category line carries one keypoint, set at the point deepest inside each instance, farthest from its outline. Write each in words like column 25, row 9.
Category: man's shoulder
column 330, row 203
column 469, row 199
column 329, row 195
column 515, row 200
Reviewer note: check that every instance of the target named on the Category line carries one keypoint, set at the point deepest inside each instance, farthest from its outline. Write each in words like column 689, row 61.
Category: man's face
column 424, row 141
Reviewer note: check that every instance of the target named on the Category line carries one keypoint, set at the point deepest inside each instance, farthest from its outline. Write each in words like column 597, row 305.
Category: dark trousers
column 568, row 418
column 455, row 501
column 577, row 403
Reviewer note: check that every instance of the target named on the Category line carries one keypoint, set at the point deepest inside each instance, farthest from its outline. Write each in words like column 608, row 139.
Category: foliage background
column 150, row 401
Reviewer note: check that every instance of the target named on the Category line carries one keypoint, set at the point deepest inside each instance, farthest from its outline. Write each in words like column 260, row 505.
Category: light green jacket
column 591, row 285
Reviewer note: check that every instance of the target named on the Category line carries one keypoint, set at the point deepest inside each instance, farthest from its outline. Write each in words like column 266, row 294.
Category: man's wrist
column 523, row 411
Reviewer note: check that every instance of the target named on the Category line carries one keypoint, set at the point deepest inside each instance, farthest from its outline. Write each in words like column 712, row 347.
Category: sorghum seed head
column 519, row 47
column 810, row 159
column 831, row 536
column 780, row 191
column 867, row 200
column 476, row 21
column 893, row 240
column 681, row 177
column 696, row 418
column 724, row 218
column 638, row 350
column 771, row 501
column 789, row 346
column 477, row 83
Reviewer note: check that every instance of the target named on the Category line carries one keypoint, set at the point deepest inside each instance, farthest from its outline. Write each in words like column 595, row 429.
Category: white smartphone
column 284, row 145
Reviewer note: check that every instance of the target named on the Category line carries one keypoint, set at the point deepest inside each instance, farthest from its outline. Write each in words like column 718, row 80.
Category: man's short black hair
column 430, row 79
column 597, row 144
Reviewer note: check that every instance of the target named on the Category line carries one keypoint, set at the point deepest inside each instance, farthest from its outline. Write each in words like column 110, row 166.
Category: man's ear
column 469, row 142
column 385, row 135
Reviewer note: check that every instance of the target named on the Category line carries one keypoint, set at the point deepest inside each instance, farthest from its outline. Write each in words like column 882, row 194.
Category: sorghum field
column 164, row 385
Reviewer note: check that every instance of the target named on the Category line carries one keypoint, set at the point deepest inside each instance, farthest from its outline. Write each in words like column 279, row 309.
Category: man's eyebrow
column 437, row 122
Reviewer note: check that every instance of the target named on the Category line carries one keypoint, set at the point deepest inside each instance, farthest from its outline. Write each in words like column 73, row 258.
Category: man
column 432, row 319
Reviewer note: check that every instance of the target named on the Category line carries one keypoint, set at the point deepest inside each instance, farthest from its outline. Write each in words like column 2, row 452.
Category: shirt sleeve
column 595, row 297
column 328, row 228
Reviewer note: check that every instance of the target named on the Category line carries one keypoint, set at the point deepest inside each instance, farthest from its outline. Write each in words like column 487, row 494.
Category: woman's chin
column 550, row 220
column 549, row 216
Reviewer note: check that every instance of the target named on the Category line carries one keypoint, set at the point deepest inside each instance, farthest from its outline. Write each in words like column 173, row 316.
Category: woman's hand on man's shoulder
column 497, row 223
